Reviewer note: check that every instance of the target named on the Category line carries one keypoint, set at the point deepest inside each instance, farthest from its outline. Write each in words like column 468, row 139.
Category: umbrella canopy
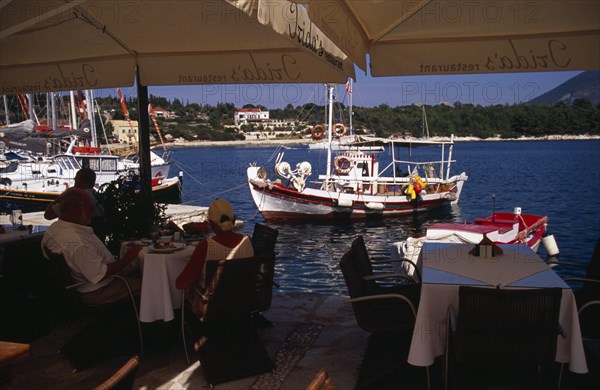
column 428, row 37
column 81, row 44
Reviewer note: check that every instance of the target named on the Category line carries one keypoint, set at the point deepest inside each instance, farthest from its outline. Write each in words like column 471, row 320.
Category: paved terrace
column 310, row 332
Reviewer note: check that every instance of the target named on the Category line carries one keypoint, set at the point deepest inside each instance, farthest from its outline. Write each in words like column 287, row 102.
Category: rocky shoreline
column 278, row 141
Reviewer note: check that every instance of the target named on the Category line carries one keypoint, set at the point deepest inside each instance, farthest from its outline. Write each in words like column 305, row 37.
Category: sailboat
column 354, row 185
column 344, row 137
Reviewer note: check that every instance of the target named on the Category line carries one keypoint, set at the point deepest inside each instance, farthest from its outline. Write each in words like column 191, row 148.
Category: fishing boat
column 355, row 186
column 500, row 227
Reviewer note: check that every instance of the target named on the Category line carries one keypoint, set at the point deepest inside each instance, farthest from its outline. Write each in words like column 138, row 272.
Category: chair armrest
column 567, row 263
column 75, row 285
column 586, row 305
column 388, row 276
column 402, row 260
column 588, row 280
column 451, row 319
column 379, row 297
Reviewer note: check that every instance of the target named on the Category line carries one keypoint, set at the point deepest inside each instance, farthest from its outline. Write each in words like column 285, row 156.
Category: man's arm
column 116, row 266
column 52, row 210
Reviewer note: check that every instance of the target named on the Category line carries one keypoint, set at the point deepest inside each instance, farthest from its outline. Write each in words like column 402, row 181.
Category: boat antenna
column 493, row 207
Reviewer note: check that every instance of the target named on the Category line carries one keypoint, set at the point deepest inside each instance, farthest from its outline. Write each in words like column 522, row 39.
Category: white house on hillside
column 250, row 115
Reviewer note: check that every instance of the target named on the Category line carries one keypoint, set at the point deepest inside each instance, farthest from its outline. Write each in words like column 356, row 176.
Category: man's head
column 85, row 178
column 75, row 206
column 220, row 215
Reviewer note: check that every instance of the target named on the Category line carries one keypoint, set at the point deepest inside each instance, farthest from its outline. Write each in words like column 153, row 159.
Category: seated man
column 85, row 178
column 225, row 244
column 87, row 257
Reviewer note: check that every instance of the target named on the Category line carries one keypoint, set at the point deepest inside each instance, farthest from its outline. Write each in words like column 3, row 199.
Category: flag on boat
column 348, row 88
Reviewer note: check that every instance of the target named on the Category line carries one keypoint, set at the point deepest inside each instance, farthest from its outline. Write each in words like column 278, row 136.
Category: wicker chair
column 321, row 381
column 124, row 377
column 501, row 328
column 96, row 337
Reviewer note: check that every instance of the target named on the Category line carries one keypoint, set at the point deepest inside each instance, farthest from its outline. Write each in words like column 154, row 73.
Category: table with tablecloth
column 445, row 267
column 159, row 297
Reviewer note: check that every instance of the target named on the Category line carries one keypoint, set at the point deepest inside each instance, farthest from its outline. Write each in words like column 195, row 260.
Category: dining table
column 159, row 297
column 447, row 266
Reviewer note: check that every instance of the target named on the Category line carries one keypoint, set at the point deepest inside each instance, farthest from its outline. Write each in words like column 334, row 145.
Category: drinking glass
column 16, row 218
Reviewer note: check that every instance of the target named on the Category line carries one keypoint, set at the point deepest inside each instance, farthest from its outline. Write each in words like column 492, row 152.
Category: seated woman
column 225, row 244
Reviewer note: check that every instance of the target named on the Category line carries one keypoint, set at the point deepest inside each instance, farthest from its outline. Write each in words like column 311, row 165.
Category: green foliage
column 127, row 212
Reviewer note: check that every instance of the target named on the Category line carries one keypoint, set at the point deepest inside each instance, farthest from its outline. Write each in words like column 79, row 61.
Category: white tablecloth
column 440, row 289
column 159, row 296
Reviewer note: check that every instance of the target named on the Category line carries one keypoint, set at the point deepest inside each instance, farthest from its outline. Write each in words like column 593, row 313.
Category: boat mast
column 73, row 113
column 329, row 125
column 349, row 90
column 449, row 156
column 424, row 126
column 6, row 109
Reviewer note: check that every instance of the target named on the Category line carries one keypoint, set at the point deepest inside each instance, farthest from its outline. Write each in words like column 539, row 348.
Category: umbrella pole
column 144, row 138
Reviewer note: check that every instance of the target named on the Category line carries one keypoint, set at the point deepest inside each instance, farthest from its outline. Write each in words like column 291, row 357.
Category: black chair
column 365, row 266
column 502, row 332
column 107, row 324
column 225, row 337
column 264, row 239
column 590, row 290
column 388, row 315
column 123, row 378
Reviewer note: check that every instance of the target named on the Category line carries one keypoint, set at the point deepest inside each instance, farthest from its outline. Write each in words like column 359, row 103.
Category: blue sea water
column 559, row 179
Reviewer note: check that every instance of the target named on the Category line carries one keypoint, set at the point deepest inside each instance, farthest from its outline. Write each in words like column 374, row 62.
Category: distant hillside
column 585, row 85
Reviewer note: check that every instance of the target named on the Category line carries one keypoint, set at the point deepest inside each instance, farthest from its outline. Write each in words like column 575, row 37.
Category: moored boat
column 355, row 186
column 500, row 227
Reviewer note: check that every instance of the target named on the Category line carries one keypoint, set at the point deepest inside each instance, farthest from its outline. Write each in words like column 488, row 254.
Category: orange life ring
column 317, row 131
column 343, row 165
column 339, row 129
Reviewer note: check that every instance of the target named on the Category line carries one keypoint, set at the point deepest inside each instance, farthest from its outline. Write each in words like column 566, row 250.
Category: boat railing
column 411, row 165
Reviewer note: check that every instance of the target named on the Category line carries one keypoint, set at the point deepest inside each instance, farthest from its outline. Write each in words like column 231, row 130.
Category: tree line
column 194, row 121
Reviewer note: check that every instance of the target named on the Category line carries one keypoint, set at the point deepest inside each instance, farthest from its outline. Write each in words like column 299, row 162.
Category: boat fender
column 343, row 165
column 344, row 202
column 550, row 245
column 374, row 205
column 339, row 129
column 418, row 181
column 417, row 188
column 317, row 131
column 410, row 191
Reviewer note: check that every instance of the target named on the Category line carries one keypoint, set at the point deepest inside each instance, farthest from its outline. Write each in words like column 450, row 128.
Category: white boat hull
column 277, row 202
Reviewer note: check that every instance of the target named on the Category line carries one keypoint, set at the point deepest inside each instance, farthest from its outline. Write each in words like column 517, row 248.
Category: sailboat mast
column 73, row 112
column 329, row 125
column 349, row 90
column 6, row 109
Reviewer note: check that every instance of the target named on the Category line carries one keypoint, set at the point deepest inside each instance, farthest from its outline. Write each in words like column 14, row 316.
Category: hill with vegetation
column 215, row 123
column 585, row 85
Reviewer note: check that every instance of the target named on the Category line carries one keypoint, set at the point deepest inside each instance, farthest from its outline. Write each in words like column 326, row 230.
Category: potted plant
column 128, row 214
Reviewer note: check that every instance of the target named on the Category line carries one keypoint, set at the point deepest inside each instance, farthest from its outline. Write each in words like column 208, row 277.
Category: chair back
column 122, row 379
column 362, row 256
column 236, row 288
column 264, row 239
column 503, row 326
column 63, row 279
column 373, row 315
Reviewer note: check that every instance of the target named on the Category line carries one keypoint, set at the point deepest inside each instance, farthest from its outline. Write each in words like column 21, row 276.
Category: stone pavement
column 310, row 332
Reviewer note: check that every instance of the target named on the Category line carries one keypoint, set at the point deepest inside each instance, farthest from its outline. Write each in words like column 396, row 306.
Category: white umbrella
column 84, row 44
column 429, row 37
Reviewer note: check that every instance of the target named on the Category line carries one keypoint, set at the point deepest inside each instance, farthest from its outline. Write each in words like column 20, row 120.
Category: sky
column 368, row 91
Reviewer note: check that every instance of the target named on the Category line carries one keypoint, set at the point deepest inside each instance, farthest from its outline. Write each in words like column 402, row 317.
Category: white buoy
column 550, row 245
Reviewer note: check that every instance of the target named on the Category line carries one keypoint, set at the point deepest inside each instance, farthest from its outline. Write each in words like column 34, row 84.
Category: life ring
column 343, row 165
column 317, row 131
column 339, row 129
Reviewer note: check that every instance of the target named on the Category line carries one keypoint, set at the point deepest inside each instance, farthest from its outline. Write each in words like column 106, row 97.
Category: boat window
column 92, row 163
column 109, row 164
